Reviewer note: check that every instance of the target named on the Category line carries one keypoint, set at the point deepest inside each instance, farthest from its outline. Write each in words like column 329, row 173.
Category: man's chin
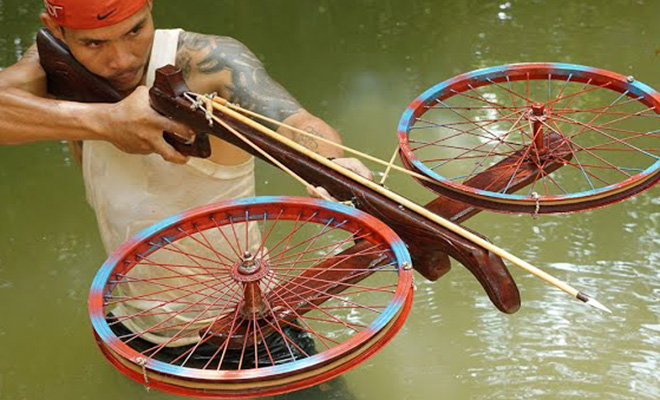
column 126, row 86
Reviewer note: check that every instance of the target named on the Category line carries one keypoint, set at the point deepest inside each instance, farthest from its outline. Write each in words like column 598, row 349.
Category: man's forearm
column 26, row 118
column 316, row 128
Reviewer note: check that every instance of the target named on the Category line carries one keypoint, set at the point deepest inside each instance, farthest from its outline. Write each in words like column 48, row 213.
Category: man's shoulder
column 207, row 54
column 202, row 43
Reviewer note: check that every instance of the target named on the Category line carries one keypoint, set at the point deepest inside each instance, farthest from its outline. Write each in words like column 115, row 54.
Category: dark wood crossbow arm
column 411, row 221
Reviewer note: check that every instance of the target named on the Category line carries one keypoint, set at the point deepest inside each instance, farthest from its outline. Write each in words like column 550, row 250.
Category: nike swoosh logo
column 102, row 17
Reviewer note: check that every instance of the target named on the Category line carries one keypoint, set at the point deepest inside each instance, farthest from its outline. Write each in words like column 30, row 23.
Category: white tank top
column 131, row 192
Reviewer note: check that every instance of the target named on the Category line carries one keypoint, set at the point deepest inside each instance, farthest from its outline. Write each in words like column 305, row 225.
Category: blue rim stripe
column 104, row 332
column 407, row 120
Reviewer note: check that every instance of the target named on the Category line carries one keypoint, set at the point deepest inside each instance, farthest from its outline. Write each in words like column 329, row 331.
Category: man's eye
column 135, row 31
column 93, row 45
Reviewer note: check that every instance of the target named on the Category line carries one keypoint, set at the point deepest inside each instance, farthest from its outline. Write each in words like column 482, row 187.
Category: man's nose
column 119, row 60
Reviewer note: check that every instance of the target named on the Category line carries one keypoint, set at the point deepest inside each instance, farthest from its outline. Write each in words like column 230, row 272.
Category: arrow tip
column 590, row 301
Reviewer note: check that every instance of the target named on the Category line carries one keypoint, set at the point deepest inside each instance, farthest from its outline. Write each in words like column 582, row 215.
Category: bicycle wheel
column 251, row 297
column 585, row 136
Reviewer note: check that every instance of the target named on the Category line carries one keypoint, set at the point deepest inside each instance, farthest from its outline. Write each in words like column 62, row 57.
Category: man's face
column 118, row 53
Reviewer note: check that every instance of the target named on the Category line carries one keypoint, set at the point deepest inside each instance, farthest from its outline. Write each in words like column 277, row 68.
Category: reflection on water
column 358, row 65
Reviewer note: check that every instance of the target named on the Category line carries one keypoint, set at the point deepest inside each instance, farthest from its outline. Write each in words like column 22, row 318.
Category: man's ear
column 52, row 26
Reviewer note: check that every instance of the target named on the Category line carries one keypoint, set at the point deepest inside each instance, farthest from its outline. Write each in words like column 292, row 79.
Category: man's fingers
column 169, row 153
column 184, row 132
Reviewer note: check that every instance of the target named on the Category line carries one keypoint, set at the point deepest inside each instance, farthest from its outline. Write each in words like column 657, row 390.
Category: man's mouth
column 125, row 77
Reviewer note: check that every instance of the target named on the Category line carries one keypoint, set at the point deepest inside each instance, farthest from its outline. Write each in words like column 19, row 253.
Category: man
column 116, row 40
column 132, row 176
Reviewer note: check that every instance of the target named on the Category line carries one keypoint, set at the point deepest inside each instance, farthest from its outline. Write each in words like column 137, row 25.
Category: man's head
column 111, row 38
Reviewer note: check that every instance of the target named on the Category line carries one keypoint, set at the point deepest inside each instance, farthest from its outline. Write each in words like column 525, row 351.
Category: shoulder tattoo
column 250, row 84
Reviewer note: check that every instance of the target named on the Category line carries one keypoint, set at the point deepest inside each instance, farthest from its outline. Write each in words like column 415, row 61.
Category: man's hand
column 134, row 127
column 352, row 164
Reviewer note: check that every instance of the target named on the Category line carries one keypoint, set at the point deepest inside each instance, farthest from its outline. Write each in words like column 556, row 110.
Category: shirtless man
column 116, row 40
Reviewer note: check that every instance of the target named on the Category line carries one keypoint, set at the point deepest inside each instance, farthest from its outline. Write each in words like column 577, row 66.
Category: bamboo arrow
column 400, row 200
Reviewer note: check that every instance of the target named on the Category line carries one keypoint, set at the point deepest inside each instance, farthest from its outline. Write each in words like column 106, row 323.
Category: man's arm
column 26, row 115
column 224, row 65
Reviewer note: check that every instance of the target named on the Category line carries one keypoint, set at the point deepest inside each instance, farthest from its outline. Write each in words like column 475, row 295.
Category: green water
column 357, row 65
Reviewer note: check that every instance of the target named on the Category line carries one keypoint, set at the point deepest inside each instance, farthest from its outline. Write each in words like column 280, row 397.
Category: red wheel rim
column 187, row 307
column 590, row 135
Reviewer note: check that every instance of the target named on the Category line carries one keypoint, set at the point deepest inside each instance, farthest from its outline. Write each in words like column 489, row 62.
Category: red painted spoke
column 153, row 327
column 189, row 353
column 513, row 99
column 286, row 338
column 245, row 337
column 518, row 164
column 286, row 240
column 333, row 308
column 468, row 150
column 468, row 108
column 593, row 166
column 266, row 236
column 291, row 309
column 579, row 92
column 322, row 338
column 599, row 147
column 490, row 153
column 461, row 155
column 209, row 270
column 343, row 284
column 592, row 120
column 511, row 92
column 276, row 325
column 595, row 110
column 338, row 261
column 183, row 287
column 224, row 236
column 462, row 131
column 574, row 154
column 599, row 109
column 309, row 241
column 466, row 157
column 332, row 246
column 618, row 141
column 168, row 288
column 580, row 148
column 318, row 260
column 315, row 307
column 220, row 255
column 433, row 124
column 225, row 344
column 191, row 256
column 482, row 127
column 561, row 92
column 480, row 98
column 125, row 279
column 636, row 134
column 527, row 90
column 206, row 336
column 265, row 343
column 235, row 236
column 309, row 329
column 601, row 126
column 486, row 100
column 317, row 290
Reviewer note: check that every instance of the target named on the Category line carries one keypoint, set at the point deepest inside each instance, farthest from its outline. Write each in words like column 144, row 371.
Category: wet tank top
column 131, row 192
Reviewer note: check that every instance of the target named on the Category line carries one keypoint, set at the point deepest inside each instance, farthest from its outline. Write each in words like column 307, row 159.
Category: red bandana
column 91, row 14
